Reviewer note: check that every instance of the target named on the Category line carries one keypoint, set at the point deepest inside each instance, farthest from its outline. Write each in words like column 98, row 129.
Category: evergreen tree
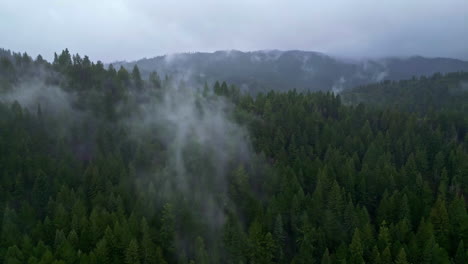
column 131, row 253
column 326, row 257
column 355, row 249
column 201, row 256
column 137, row 77
column 461, row 255
column 401, row 257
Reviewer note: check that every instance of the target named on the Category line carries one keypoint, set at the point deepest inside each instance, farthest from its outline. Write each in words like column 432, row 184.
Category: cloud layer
column 111, row 30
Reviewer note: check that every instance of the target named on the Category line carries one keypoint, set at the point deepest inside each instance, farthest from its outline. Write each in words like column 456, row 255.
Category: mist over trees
column 103, row 165
column 265, row 70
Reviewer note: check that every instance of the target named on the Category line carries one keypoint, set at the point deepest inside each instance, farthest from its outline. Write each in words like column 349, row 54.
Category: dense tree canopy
column 327, row 182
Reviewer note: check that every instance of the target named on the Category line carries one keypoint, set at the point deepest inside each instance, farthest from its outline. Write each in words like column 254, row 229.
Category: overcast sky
column 110, row 30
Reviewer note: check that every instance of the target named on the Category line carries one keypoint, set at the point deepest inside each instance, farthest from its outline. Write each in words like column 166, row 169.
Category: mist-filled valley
column 100, row 164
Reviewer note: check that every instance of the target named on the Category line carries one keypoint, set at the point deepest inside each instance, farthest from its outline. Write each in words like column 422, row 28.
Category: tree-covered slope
column 103, row 166
column 261, row 71
column 425, row 94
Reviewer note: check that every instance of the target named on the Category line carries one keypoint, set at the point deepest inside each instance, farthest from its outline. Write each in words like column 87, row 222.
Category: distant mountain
column 283, row 70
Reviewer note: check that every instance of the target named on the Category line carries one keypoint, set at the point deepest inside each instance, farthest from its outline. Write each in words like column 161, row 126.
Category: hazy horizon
column 338, row 56
column 130, row 30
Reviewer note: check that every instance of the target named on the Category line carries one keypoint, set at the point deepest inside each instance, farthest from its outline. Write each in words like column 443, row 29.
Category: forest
column 100, row 165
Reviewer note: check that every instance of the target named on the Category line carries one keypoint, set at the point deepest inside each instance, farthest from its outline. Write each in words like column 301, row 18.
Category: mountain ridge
column 281, row 70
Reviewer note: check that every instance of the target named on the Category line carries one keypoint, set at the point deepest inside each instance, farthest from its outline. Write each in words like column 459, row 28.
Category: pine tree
column 401, row 257
column 131, row 253
column 136, row 76
column 167, row 231
column 101, row 252
column 458, row 220
column 386, row 256
column 201, row 256
column 375, row 256
column 279, row 236
column 355, row 249
column 461, row 256
column 383, row 239
column 40, row 192
column 147, row 245
column 440, row 221
column 159, row 257
column 13, row 256
column 326, row 257
column 155, row 80
column 270, row 248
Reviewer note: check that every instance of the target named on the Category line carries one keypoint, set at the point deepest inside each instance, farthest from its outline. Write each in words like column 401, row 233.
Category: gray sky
column 110, row 30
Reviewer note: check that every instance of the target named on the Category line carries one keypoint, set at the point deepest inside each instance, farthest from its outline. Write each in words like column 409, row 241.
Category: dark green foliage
column 327, row 182
column 447, row 92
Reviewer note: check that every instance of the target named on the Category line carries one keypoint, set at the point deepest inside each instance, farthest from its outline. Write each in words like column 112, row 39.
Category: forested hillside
column 103, row 166
column 265, row 70
column 439, row 92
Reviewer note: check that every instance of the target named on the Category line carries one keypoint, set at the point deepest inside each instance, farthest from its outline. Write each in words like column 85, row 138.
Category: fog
column 204, row 145
column 35, row 93
column 201, row 141
column 129, row 30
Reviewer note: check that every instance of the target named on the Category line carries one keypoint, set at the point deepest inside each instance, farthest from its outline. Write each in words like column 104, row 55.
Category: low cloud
column 362, row 28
